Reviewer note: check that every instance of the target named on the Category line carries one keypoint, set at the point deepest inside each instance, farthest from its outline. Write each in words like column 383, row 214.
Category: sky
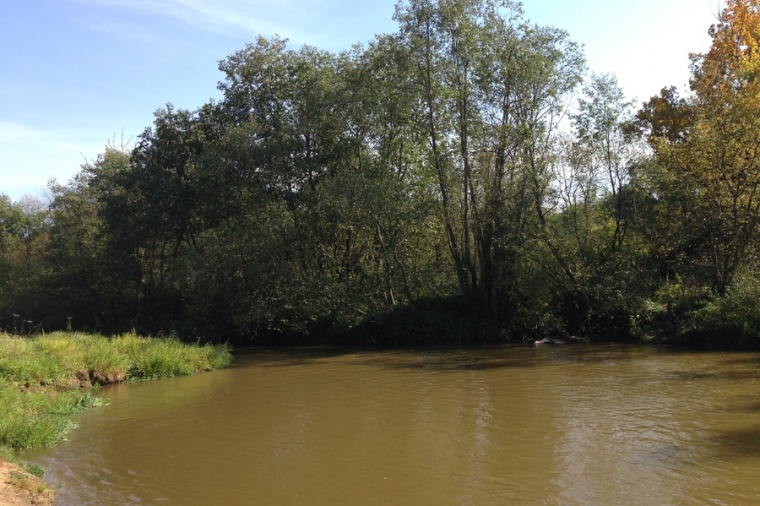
column 76, row 75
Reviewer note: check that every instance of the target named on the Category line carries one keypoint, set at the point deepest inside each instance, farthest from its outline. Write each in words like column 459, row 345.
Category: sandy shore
column 18, row 488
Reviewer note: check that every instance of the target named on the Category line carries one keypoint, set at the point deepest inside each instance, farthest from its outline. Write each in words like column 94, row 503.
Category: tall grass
column 38, row 419
column 165, row 358
column 45, row 379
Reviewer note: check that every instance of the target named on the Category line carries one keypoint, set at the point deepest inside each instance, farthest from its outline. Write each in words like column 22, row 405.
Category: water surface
column 560, row 425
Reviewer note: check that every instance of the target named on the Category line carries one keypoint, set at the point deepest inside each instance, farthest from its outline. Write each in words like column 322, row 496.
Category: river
column 556, row 425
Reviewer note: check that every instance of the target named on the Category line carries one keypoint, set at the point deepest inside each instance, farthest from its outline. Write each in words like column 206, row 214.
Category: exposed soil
column 19, row 488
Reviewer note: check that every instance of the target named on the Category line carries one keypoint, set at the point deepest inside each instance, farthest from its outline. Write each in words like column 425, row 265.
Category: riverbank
column 21, row 488
column 45, row 380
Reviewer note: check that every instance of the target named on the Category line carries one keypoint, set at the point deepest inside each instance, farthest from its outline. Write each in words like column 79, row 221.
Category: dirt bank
column 19, row 488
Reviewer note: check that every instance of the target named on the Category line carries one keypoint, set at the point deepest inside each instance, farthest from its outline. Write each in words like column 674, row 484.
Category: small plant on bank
column 29, row 483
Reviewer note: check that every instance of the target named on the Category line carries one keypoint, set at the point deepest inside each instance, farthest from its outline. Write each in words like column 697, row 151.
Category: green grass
column 38, row 419
column 46, row 379
column 165, row 358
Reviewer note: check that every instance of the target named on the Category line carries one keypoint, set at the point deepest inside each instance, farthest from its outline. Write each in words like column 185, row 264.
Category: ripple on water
column 500, row 425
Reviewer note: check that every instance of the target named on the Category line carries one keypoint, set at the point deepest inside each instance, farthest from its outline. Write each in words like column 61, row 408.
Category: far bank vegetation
column 464, row 179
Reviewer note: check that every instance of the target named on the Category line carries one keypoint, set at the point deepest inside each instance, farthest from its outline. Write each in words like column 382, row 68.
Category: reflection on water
column 562, row 425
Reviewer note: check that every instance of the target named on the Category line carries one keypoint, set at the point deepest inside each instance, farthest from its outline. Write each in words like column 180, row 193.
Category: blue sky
column 75, row 74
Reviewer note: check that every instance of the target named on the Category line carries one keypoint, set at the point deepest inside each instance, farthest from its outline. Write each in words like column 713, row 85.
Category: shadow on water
column 454, row 358
column 461, row 361
column 727, row 375
column 494, row 357
column 738, row 443
column 747, row 358
column 284, row 357
column 753, row 407
column 413, row 358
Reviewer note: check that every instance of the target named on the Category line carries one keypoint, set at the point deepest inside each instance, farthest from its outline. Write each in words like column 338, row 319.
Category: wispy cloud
column 220, row 16
column 15, row 133
column 29, row 157
column 123, row 30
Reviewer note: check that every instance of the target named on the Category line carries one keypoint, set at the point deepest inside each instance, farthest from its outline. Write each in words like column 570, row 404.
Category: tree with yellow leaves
column 714, row 156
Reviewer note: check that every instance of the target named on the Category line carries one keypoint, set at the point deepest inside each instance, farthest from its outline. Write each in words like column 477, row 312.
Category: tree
column 24, row 237
column 710, row 146
column 596, row 191
column 11, row 226
column 490, row 90
column 602, row 117
column 90, row 272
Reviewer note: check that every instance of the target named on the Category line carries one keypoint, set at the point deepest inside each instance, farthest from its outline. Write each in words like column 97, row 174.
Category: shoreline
column 21, row 488
column 46, row 379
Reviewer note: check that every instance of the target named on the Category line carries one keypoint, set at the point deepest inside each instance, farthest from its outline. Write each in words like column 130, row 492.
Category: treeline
column 460, row 180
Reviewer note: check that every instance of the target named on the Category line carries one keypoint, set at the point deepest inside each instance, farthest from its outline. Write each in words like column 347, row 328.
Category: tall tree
column 714, row 156
column 601, row 121
column 596, row 192
column 490, row 88
column 24, row 239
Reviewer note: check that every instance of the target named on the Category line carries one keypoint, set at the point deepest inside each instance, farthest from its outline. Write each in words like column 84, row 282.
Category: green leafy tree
column 490, row 90
column 596, row 197
column 89, row 271
column 24, row 236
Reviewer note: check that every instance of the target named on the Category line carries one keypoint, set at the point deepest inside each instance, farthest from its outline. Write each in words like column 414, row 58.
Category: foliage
column 731, row 321
column 708, row 145
column 24, row 240
column 353, row 196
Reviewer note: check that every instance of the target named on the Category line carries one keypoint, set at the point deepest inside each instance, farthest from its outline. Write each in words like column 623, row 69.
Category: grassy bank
column 44, row 380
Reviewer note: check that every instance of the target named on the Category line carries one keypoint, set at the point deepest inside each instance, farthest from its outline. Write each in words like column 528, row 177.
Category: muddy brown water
column 564, row 425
